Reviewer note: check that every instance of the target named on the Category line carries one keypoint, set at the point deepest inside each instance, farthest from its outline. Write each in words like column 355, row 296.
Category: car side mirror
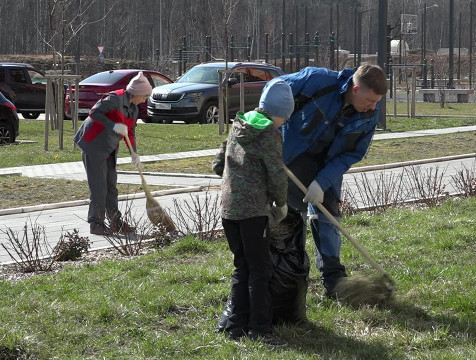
column 232, row 81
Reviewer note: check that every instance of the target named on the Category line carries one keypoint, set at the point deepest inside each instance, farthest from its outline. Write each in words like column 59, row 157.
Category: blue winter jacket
column 303, row 131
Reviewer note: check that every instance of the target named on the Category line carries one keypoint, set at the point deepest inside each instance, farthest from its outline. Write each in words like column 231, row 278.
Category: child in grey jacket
column 250, row 162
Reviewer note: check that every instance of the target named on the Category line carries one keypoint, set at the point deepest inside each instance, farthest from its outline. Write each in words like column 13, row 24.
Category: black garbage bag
column 289, row 283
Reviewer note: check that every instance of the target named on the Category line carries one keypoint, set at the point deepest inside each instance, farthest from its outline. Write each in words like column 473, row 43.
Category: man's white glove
column 120, row 128
column 277, row 214
column 314, row 195
column 135, row 160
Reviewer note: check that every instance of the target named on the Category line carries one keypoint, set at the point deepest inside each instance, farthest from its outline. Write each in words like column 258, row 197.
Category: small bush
column 465, row 180
column 199, row 216
column 427, row 185
column 71, row 246
column 132, row 244
column 29, row 249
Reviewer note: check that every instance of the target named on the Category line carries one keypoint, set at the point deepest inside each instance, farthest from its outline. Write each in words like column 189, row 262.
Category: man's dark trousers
column 251, row 305
column 326, row 236
column 102, row 182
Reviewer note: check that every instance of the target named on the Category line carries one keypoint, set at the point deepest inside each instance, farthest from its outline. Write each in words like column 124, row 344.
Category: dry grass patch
column 24, row 191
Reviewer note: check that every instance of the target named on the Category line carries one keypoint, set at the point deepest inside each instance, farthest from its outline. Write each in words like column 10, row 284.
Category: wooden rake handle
column 131, row 149
column 338, row 225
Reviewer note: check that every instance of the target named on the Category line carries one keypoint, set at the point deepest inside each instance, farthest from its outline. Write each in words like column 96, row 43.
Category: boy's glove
column 120, row 128
column 314, row 195
column 277, row 214
column 135, row 160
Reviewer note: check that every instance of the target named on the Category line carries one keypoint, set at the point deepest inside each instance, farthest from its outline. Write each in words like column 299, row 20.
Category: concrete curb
column 409, row 163
column 19, row 173
column 42, row 207
column 194, row 176
column 350, row 171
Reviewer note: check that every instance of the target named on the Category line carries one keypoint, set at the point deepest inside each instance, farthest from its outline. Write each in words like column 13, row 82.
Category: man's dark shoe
column 266, row 338
column 236, row 334
column 122, row 227
column 330, row 294
column 330, row 288
column 99, row 229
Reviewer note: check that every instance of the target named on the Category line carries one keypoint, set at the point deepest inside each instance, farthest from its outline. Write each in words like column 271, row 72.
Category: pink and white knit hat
column 139, row 85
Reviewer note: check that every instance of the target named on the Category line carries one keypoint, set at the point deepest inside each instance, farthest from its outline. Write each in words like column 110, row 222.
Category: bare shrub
column 381, row 190
column 29, row 249
column 131, row 244
column 442, row 98
column 199, row 216
column 348, row 204
column 465, row 180
column 427, row 186
column 71, row 246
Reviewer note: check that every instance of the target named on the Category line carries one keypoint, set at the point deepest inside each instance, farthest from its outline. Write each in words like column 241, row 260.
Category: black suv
column 194, row 97
column 24, row 86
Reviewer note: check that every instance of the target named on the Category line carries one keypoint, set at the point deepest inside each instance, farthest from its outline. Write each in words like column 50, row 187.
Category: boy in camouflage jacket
column 250, row 162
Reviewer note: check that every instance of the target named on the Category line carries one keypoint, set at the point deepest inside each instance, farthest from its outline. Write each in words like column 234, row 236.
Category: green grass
column 152, row 139
column 18, row 191
column 380, row 152
column 165, row 305
column 425, row 147
column 155, row 139
column 400, row 124
column 425, row 108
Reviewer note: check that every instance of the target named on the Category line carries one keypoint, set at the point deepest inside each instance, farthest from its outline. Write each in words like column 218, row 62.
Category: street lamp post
column 382, row 53
column 359, row 35
column 459, row 48
column 470, row 43
column 355, row 36
column 451, row 46
column 423, row 29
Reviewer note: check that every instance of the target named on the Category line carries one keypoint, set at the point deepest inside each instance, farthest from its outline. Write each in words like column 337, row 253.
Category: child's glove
column 135, row 160
column 120, row 128
column 277, row 214
column 314, row 195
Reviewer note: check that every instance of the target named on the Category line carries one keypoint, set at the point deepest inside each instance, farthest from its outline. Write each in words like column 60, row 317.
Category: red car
column 94, row 87
column 8, row 121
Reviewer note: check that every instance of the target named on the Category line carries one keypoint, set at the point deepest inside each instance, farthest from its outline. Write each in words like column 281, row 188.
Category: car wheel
column 167, row 121
column 30, row 115
column 209, row 114
column 7, row 135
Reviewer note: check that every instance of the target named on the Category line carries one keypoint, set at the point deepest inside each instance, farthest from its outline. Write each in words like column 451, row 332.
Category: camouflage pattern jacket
column 250, row 162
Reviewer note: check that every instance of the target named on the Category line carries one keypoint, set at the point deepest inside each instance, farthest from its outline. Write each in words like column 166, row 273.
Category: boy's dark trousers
column 251, row 306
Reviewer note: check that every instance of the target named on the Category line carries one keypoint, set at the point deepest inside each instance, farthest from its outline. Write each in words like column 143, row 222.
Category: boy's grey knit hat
column 277, row 99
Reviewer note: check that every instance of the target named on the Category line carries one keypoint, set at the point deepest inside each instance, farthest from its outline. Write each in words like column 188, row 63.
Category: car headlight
column 194, row 95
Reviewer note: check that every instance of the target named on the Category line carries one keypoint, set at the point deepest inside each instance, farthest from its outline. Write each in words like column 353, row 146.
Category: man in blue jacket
column 335, row 117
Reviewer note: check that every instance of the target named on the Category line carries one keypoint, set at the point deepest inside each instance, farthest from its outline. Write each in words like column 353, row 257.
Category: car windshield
column 104, row 78
column 201, row 74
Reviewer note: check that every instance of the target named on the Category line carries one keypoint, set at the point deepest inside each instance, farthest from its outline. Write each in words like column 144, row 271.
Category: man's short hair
column 371, row 77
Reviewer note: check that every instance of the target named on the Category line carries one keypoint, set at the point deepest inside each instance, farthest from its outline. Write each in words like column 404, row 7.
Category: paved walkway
column 67, row 218
column 75, row 170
